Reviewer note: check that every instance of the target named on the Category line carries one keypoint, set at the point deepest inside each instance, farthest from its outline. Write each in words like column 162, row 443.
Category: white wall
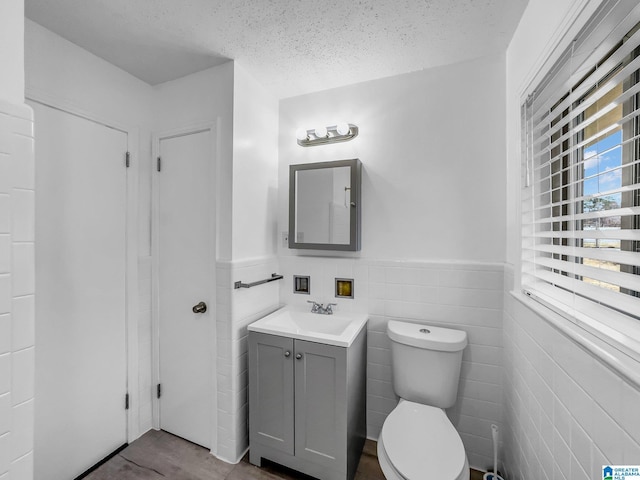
column 433, row 205
column 431, row 145
column 255, row 177
column 255, row 161
column 566, row 413
column 12, row 51
column 200, row 98
column 60, row 69
column 17, row 285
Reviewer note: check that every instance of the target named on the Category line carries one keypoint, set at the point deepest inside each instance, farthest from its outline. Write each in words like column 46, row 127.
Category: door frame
column 156, row 138
column 131, row 248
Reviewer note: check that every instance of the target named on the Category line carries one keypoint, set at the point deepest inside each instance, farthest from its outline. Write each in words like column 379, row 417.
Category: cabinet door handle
column 298, row 356
column 287, row 353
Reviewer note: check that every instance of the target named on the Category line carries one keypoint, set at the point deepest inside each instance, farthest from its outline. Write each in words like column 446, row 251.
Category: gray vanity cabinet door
column 321, row 409
column 271, row 363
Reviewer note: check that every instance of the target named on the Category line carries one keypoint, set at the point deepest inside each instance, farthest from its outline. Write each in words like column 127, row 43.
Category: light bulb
column 342, row 128
column 301, row 134
column 321, row 132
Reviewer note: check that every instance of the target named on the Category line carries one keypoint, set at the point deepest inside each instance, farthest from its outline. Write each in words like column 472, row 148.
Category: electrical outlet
column 285, row 239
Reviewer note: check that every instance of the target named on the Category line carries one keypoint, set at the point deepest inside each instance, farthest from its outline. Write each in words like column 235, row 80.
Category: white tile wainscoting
column 452, row 294
column 567, row 414
column 563, row 413
column 237, row 308
column 17, row 288
column 462, row 295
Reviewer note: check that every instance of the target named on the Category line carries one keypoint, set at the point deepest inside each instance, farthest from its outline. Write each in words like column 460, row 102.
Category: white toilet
column 418, row 442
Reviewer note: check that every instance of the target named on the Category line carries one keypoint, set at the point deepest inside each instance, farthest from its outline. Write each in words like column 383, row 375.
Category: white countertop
column 339, row 329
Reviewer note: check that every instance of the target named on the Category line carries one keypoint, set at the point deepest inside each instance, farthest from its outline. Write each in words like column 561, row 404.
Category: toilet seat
column 418, row 441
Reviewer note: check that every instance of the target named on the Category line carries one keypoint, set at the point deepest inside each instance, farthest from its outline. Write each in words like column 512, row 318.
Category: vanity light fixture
column 341, row 132
column 321, row 132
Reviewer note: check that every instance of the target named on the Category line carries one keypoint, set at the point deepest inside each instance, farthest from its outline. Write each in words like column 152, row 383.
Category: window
column 581, row 185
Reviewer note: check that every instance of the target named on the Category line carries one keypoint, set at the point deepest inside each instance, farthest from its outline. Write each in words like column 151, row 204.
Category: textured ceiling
column 291, row 46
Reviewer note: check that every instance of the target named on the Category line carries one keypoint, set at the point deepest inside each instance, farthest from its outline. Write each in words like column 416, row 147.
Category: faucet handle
column 329, row 308
column 315, row 307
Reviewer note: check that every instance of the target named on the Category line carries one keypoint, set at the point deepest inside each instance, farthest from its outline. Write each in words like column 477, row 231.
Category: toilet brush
column 494, row 475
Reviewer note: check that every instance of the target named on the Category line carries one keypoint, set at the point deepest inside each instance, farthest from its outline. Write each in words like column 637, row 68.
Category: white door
column 80, row 382
column 185, row 269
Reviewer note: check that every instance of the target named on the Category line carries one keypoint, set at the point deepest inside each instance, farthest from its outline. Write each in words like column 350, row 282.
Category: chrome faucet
column 321, row 309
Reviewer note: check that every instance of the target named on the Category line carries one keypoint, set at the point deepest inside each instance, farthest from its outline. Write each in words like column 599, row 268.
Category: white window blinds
column 581, row 173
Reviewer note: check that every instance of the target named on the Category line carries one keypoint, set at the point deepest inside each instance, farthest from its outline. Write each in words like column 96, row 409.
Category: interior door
column 80, row 381
column 185, row 263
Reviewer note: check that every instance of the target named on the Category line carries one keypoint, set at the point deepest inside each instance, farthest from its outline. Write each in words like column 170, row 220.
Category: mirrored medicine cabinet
column 324, row 205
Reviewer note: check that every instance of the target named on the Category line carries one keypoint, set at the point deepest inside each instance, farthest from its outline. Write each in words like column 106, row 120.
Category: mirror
column 324, row 205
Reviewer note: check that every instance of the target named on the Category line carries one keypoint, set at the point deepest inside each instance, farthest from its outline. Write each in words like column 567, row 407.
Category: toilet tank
column 426, row 362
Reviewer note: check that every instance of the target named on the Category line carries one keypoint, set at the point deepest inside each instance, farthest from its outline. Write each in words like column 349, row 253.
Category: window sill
column 622, row 357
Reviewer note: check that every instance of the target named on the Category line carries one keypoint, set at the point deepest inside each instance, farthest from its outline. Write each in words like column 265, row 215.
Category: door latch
column 200, row 308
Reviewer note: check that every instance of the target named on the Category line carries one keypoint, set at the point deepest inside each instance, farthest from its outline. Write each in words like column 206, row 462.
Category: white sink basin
column 337, row 329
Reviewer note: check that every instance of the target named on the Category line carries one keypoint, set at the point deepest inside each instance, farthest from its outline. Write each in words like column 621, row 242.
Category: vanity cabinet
column 307, row 404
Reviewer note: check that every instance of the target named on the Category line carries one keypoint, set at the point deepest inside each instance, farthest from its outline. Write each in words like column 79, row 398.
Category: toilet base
column 391, row 473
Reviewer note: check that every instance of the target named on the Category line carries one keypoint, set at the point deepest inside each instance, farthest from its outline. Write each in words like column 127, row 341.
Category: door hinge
column 127, row 159
column 159, row 391
column 159, row 164
column 126, row 402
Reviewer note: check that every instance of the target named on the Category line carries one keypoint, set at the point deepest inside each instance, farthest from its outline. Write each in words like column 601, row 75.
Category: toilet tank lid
column 427, row 336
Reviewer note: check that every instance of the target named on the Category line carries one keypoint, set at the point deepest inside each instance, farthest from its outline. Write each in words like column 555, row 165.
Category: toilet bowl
column 417, row 441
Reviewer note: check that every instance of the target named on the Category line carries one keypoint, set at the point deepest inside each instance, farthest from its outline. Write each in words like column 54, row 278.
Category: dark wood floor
column 160, row 455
